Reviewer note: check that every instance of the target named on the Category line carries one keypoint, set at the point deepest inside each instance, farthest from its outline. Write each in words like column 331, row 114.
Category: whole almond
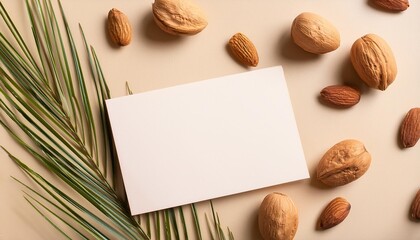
column 415, row 207
column 278, row 217
column 314, row 33
column 179, row 17
column 243, row 50
column 410, row 128
column 334, row 213
column 392, row 5
column 339, row 95
column 343, row 163
column 374, row 61
column 119, row 28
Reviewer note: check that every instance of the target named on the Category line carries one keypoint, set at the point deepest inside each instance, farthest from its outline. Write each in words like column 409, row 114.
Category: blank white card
column 206, row 139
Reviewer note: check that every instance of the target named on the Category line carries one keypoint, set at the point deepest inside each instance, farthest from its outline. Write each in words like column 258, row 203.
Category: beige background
column 380, row 199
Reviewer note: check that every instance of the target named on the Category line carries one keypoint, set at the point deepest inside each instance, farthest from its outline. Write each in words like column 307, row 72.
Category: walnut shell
column 343, row 163
column 374, row 61
column 278, row 217
column 179, row 17
column 314, row 33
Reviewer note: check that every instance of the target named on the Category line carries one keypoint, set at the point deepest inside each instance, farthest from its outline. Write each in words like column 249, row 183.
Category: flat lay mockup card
column 206, row 139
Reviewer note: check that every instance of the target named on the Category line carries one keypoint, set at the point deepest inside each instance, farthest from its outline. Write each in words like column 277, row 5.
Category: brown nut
column 410, row 128
column 374, row 61
column 119, row 28
column 334, row 213
column 392, row 5
column 278, row 217
column 415, row 207
column 179, row 17
column 341, row 96
column 314, row 33
column 243, row 50
column 343, row 163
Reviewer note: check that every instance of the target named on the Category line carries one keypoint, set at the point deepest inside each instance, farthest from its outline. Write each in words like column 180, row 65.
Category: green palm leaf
column 45, row 97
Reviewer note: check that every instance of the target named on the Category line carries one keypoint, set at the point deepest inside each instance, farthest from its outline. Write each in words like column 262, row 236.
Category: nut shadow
column 289, row 50
column 348, row 76
column 153, row 33
column 255, row 232
column 317, row 184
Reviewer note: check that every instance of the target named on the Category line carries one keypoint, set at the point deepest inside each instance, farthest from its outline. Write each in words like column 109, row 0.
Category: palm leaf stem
column 59, row 195
column 51, row 222
column 107, row 207
column 41, row 129
column 62, row 165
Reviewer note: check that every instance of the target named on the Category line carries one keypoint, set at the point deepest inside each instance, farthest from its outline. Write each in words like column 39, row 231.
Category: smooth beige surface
column 380, row 199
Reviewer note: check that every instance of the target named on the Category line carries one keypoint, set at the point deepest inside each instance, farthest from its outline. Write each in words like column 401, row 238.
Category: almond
column 392, row 5
column 343, row 163
column 119, row 28
column 410, row 128
column 339, row 95
column 415, row 207
column 334, row 213
column 278, row 217
column 243, row 50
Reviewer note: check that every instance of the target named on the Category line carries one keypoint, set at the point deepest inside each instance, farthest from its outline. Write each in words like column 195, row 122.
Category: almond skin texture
column 374, row 61
column 341, row 96
column 243, row 50
column 119, row 28
column 343, row 163
column 314, row 33
column 334, row 213
column 278, row 217
column 415, row 207
column 392, row 5
column 179, row 17
column 410, row 128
